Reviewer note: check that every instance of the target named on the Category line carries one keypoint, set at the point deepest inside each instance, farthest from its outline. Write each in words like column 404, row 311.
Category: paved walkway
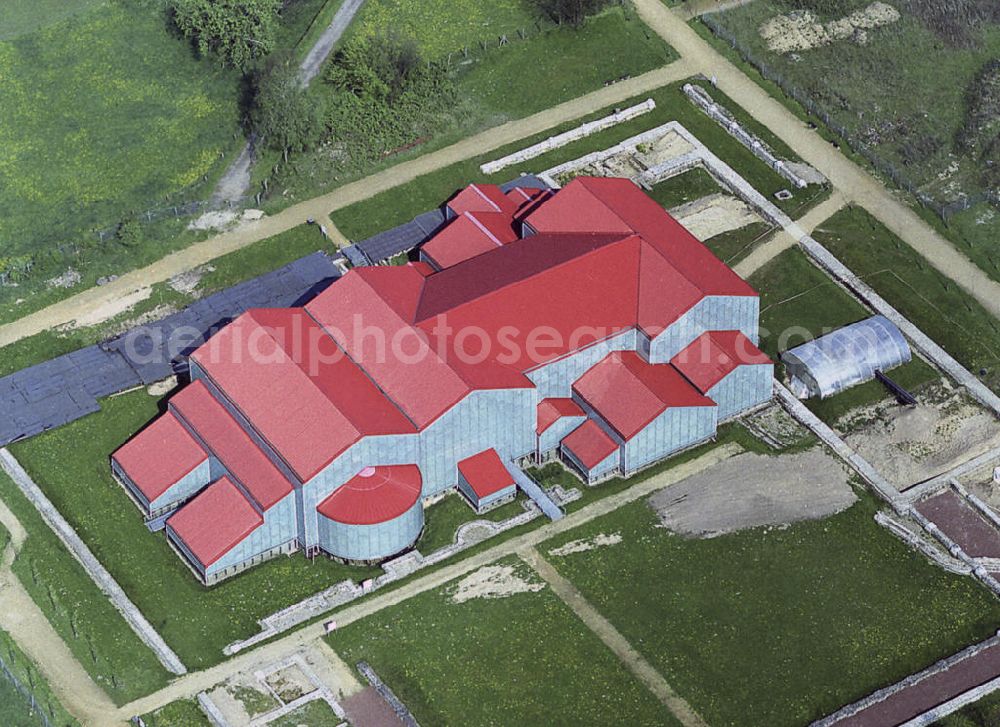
column 203, row 252
column 782, row 239
column 612, row 638
column 28, row 626
column 853, row 182
column 195, row 682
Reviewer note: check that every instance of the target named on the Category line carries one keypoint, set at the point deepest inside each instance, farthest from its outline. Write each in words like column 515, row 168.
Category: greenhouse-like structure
column 848, row 356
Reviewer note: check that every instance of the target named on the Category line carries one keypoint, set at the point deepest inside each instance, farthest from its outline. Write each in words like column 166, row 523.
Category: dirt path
column 612, row 638
column 782, row 239
column 192, row 683
column 694, row 8
column 203, row 252
column 318, row 54
column 853, row 182
column 24, row 621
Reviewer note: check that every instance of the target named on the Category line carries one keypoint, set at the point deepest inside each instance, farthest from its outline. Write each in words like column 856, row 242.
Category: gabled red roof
column 297, row 387
column 231, row 445
column 468, row 235
column 553, row 409
column 714, row 355
column 159, row 456
column 215, row 521
column 629, row 393
column 481, row 198
column 486, row 473
column 374, row 495
column 590, row 444
column 575, row 208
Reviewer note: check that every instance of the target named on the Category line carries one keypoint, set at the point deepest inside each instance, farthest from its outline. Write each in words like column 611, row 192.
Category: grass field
column 399, row 205
column 776, row 626
column 880, row 90
column 91, row 627
column 933, row 302
column 445, row 516
column 733, row 246
column 984, row 713
column 71, row 465
column 799, row 302
column 15, row 710
column 684, row 188
column 224, row 272
column 182, row 713
column 525, row 659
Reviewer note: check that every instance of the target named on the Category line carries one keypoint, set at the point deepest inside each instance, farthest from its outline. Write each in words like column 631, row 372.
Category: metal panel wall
column 675, row 429
column 599, row 470
column 279, row 527
column 550, row 438
column 184, row 488
column 555, row 379
column 744, row 388
column 371, row 542
column 713, row 313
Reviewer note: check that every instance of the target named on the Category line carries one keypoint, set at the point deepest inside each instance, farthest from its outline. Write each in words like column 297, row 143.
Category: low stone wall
column 580, row 132
column 725, row 119
column 952, row 565
column 97, row 572
column 391, row 699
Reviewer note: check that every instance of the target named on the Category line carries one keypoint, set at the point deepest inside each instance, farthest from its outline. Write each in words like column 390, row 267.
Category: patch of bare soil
column 712, row 215
column 110, row 309
column 290, row 683
column 161, row 388
column 911, row 445
column 800, row 30
column 752, row 490
column 493, row 581
column 187, row 282
column 601, row 540
column 67, row 280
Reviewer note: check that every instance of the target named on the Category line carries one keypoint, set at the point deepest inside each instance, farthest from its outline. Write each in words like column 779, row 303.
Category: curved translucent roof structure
column 848, row 356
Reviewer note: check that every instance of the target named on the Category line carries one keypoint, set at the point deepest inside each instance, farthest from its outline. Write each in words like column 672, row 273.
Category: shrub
column 129, row 232
column 283, row 113
column 237, row 31
column 573, row 12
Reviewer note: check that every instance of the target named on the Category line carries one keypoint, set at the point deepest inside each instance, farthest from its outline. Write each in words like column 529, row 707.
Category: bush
column 573, row 12
column 237, row 31
column 283, row 113
column 129, row 232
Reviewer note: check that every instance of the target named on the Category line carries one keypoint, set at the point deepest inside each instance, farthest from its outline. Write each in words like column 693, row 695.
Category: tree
column 284, row 114
column 380, row 67
column 573, row 12
column 237, row 31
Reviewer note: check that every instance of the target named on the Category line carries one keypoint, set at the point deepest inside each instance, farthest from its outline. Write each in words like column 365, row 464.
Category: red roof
column 159, row 456
column 231, row 445
column 629, row 393
column 215, row 521
column 714, row 355
column 471, row 234
column 481, row 198
column 590, row 444
column 575, row 208
column 553, row 409
column 374, row 495
column 486, row 473
column 297, row 387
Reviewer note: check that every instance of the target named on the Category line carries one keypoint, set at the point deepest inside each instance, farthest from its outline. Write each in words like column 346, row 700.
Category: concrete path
column 612, row 638
column 203, row 252
column 854, row 183
column 782, row 240
column 317, row 55
column 21, row 618
column 195, row 682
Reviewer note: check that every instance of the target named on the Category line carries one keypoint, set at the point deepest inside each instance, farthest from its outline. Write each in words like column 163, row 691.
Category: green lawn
column 182, row 713
column 71, row 465
column 312, row 714
column 933, row 302
column 445, row 516
column 400, row 204
column 776, row 626
column 91, row 627
column 684, row 188
column 18, row 17
column 733, row 246
column 521, row 660
column 799, row 302
column 984, row 713
column 15, row 710
column 226, row 271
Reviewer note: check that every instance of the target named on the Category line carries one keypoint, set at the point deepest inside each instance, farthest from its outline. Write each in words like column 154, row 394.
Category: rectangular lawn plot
column 497, row 647
column 773, row 626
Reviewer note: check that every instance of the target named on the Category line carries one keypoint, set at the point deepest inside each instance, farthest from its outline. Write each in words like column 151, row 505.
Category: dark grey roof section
column 67, row 388
column 528, row 181
column 379, row 248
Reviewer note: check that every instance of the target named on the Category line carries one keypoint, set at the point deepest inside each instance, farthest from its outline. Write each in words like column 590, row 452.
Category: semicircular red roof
column 374, row 495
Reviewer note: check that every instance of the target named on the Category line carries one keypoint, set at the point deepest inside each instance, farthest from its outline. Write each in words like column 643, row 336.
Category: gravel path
column 853, row 182
column 318, row 54
column 204, row 252
column 285, row 646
